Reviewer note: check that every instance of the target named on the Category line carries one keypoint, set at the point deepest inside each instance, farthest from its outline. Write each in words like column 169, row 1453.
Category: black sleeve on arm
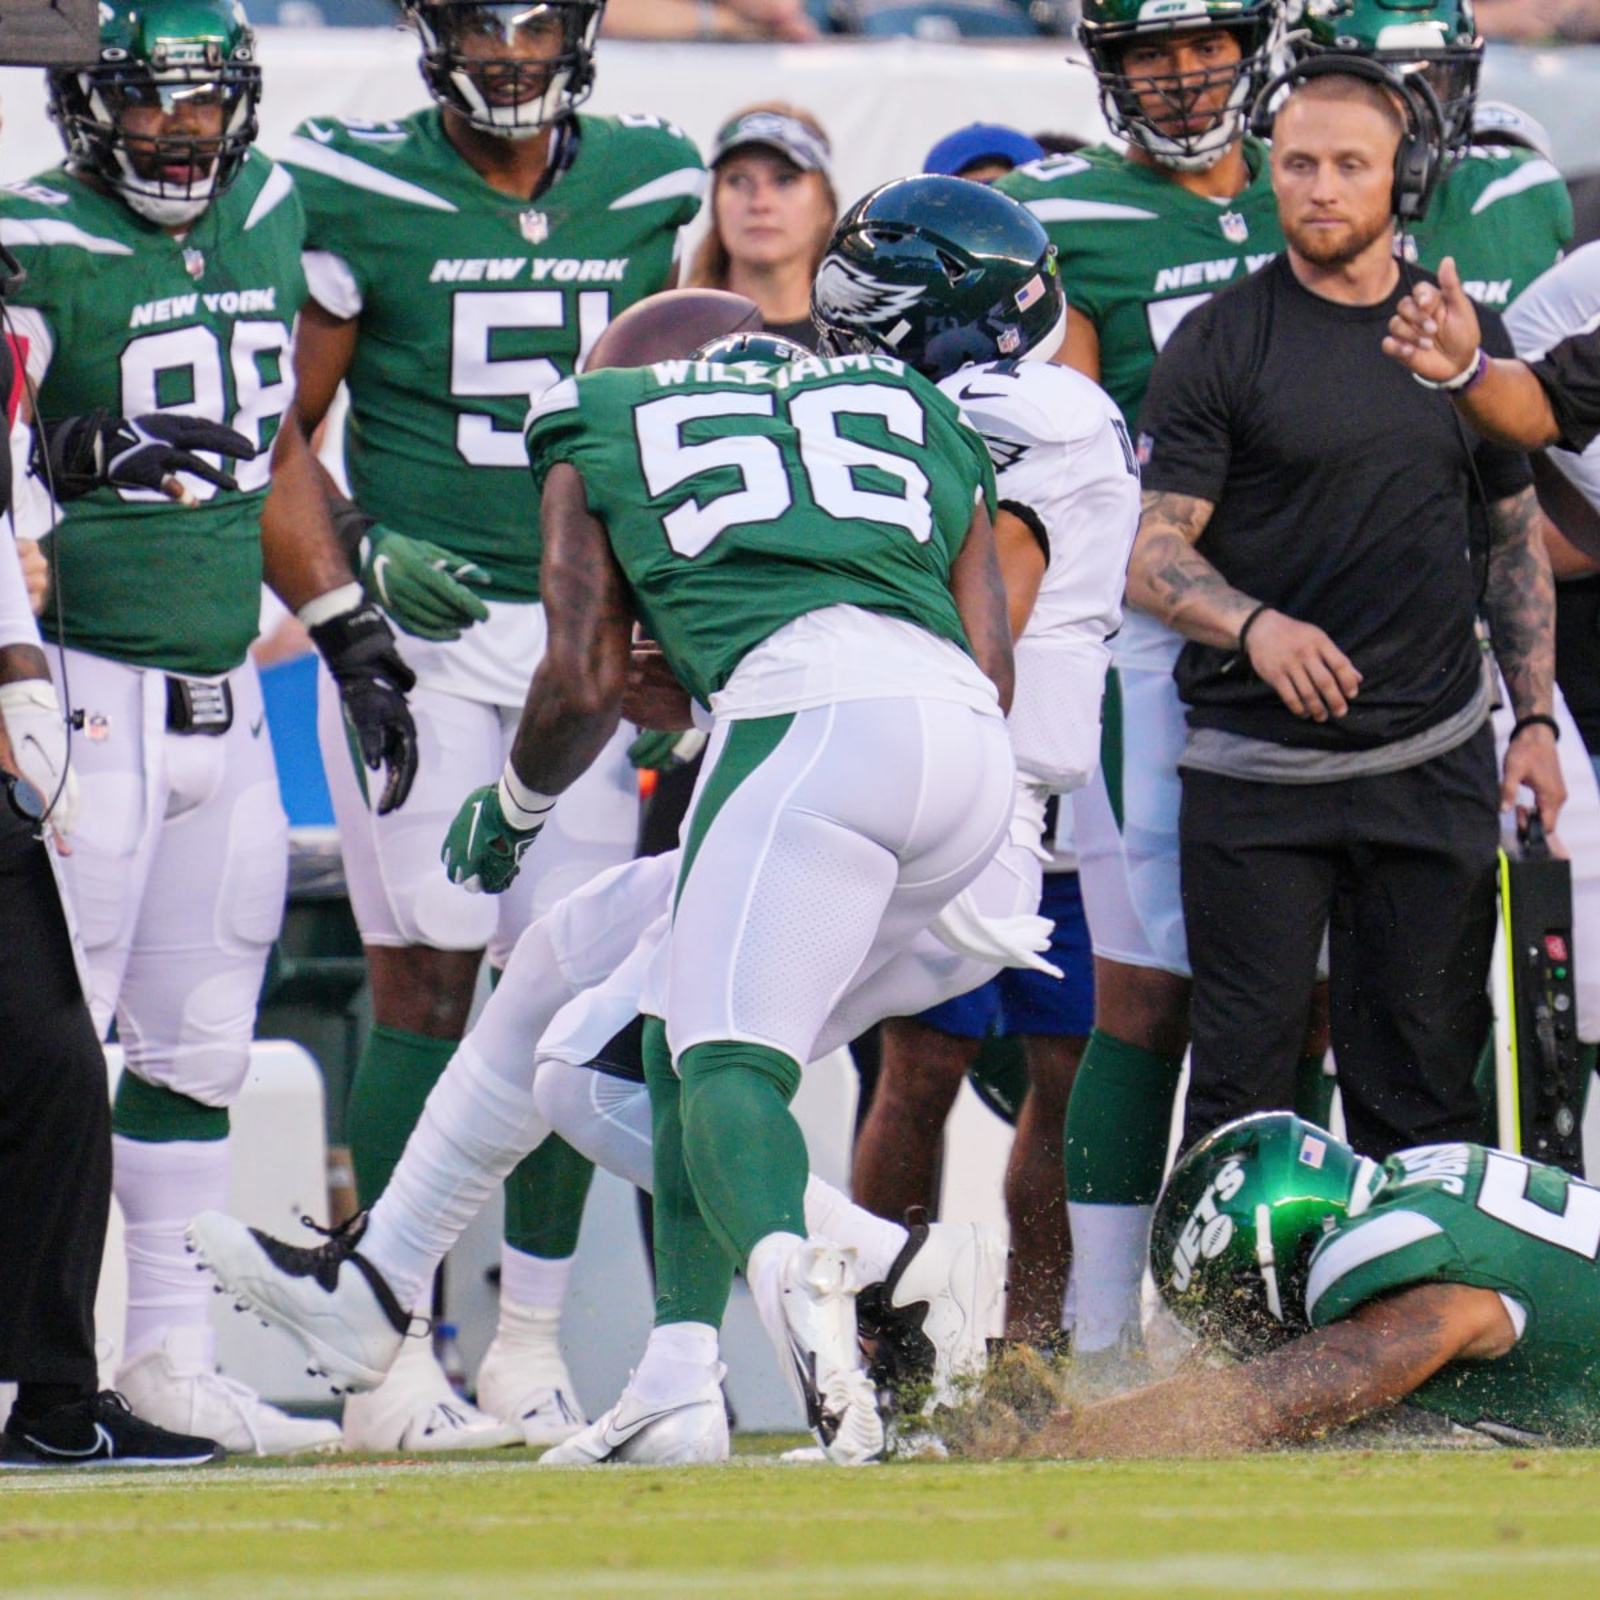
column 1570, row 376
column 1185, row 427
column 1503, row 472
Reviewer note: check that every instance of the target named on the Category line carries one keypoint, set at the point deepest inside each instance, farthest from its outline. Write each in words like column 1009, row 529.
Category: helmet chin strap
column 167, row 211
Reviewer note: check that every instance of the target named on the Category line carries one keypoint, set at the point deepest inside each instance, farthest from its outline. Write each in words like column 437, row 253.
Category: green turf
column 1480, row 1526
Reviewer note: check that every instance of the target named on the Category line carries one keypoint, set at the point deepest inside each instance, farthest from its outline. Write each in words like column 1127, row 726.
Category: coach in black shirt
column 1308, row 524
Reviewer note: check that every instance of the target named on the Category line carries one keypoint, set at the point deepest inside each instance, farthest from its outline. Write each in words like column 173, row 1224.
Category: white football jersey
column 1564, row 301
column 1064, row 463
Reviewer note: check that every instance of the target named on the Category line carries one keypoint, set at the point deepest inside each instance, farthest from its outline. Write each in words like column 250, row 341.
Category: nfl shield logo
column 535, row 226
column 1234, row 228
column 194, row 262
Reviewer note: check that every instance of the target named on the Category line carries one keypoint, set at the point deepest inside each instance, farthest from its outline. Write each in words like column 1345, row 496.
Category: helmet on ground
column 1233, row 1231
column 1437, row 38
column 766, row 349
column 1136, row 107
column 510, row 69
column 190, row 63
column 941, row 273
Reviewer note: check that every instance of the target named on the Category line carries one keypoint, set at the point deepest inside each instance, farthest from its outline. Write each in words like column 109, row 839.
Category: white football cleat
column 818, row 1346
column 415, row 1409
column 329, row 1296
column 936, row 1307
column 177, row 1386
column 691, row 1433
column 524, row 1379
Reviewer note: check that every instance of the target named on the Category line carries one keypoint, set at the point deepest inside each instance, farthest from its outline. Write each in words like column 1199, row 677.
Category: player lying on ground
column 1457, row 1278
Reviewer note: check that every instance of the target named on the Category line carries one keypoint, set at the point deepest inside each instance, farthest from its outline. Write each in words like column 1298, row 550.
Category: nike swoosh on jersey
column 319, row 133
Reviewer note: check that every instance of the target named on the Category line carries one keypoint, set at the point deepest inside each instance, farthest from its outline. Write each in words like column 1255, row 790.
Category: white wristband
column 338, row 602
column 1464, row 379
column 523, row 808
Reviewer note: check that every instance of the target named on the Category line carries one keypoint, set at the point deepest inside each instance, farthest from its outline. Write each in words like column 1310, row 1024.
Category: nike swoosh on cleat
column 614, row 1440
column 102, row 1443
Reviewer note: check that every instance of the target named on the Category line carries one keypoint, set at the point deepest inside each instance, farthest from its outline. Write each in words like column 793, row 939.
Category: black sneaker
column 100, row 1431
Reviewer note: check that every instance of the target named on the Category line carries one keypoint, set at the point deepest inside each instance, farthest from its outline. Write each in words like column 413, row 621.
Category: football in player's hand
column 671, row 325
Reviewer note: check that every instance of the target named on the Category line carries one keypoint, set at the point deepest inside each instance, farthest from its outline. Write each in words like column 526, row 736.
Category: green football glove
column 483, row 851
column 665, row 752
column 421, row 586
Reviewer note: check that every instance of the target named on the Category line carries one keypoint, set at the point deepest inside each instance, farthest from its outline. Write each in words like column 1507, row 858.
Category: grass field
column 1481, row 1525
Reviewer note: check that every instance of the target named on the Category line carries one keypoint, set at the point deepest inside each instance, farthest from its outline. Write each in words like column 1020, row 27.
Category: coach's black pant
column 55, row 1130
column 1400, row 870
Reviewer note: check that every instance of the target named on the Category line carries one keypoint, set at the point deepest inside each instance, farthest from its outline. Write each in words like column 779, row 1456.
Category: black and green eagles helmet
column 510, row 69
column 1134, row 113
column 163, row 56
column 1437, row 38
column 1233, row 1231
column 940, row 273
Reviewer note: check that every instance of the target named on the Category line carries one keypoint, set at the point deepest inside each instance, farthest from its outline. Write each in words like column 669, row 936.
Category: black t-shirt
column 1342, row 491
column 802, row 332
column 1570, row 374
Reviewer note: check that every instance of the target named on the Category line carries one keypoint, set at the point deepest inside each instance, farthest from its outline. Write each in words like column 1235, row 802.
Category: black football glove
column 373, row 683
column 96, row 452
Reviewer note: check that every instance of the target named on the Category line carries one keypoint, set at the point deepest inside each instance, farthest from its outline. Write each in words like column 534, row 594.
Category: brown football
column 671, row 325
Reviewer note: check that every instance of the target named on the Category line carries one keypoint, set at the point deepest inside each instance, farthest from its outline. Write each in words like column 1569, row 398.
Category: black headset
column 1420, row 156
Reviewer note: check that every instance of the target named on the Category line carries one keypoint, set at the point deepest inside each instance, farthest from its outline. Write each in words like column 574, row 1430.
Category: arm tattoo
column 1520, row 599
column 1171, row 580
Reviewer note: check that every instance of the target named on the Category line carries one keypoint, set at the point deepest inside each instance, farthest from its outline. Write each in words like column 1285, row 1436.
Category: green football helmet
column 1109, row 27
column 1437, row 38
column 940, row 273
column 182, row 59
column 511, row 69
column 764, row 349
column 1233, row 1231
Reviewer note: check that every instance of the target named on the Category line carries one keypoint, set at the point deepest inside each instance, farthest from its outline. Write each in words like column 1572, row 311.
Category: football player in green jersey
column 801, row 538
column 163, row 273
column 1145, row 235
column 461, row 262
column 1454, row 1277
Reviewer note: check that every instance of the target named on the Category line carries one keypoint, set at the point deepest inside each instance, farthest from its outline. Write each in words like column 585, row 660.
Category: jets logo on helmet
column 166, row 115
column 849, row 293
column 1208, row 1232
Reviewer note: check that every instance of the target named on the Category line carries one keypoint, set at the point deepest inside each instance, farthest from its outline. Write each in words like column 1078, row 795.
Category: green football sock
column 745, row 1153
column 1313, row 1090
column 693, row 1272
column 154, row 1115
column 1118, row 1120
column 397, row 1073
column 545, row 1195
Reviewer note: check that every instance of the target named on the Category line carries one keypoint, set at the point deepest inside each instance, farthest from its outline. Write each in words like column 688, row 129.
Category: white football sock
column 675, row 1363
column 835, row 1216
column 1110, row 1247
column 160, row 1187
column 475, row 1127
column 532, row 1281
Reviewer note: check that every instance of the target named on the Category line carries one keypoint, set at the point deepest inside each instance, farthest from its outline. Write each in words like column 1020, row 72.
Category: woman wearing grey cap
column 773, row 207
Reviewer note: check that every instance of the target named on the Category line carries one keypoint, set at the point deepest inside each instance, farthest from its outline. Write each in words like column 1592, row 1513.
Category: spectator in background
column 786, row 21
column 982, row 151
column 773, row 207
column 1539, row 21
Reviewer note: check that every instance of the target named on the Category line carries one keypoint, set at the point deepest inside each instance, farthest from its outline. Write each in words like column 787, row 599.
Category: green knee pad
column 693, row 1272
column 1118, row 1121
column 397, row 1073
column 154, row 1115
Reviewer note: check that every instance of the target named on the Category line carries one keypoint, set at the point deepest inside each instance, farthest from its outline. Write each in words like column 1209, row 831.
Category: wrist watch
column 25, row 799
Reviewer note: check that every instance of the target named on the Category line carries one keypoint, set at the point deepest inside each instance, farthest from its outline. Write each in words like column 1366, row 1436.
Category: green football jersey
column 1458, row 1213
column 738, row 498
column 138, row 321
column 473, row 303
column 1139, row 252
column 1506, row 217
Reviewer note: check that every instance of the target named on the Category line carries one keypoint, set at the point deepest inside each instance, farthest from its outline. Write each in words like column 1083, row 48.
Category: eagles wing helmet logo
column 848, row 291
